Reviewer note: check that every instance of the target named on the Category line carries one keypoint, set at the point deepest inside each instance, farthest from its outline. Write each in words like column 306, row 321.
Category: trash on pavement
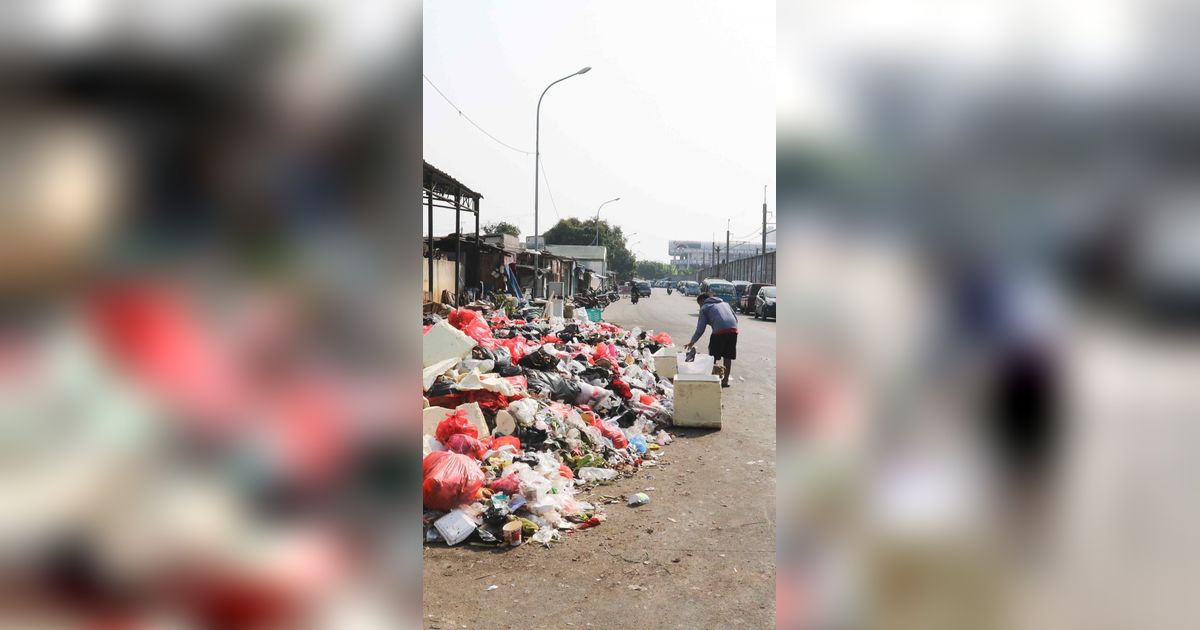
column 522, row 413
column 640, row 498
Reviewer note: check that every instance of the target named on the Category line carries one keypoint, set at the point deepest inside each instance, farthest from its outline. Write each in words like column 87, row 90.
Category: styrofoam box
column 697, row 401
column 665, row 362
column 443, row 342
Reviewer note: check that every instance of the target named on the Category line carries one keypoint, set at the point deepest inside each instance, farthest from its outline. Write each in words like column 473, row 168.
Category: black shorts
column 723, row 346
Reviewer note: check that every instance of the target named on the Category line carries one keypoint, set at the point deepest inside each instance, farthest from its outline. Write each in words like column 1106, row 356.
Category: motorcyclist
column 633, row 292
column 668, row 288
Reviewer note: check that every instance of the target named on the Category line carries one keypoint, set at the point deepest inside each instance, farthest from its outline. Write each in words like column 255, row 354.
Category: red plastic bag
column 456, row 422
column 508, row 484
column 551, row 339
column 647, row 399
column 606, row 351
column 466, row 445
column 518, row 347
column 609, row 431
column 450, row 480
column 622, row 389
column 510, row 440
column 565, row 471
column 662, row 338
column 473, row 324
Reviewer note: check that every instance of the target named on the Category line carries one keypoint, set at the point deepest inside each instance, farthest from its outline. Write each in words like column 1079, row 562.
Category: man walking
column 723, row 342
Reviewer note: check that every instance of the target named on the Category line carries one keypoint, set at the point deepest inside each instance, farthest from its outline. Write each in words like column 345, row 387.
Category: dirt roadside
column 700, row 554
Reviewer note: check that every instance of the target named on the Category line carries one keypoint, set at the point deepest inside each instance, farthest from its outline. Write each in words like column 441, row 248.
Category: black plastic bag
column 540, row 360
column 502, row 356
column 442, row 385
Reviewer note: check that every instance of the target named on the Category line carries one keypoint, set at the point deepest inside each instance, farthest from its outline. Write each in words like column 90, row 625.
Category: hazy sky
column 677, row 116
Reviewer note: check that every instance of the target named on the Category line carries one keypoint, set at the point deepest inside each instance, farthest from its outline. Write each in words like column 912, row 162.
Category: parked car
column 720, row 288
column 739, row 289
column 689, row 288
column 643, row 289
column 746, row 301
column 764, row 303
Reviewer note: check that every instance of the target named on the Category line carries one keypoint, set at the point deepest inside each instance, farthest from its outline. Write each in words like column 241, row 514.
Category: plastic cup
column 512, row 533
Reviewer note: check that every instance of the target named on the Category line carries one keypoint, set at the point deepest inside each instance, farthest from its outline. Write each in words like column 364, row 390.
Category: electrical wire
column 542, row 165
column 468, row 119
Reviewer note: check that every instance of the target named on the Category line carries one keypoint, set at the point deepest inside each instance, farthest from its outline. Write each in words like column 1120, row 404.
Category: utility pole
column 763, row 261
column 726, row 241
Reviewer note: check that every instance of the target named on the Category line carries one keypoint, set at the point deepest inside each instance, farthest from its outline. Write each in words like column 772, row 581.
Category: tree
column 653, row 270
column 572, row 231
column 502, row 227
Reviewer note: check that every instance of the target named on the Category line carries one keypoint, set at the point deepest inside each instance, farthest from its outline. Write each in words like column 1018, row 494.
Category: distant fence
column 760, row 268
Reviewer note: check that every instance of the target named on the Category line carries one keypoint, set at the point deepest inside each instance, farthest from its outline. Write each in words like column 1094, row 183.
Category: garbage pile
column 521, row 413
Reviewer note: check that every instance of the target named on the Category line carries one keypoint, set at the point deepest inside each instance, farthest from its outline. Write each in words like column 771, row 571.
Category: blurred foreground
column 989, row 413
column 198, row 346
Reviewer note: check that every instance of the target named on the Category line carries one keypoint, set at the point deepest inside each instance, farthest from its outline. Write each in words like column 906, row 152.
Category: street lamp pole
column 596, row 239
column 537, row 156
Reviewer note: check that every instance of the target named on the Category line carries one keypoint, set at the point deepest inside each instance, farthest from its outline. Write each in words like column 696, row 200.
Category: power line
column 468, row 119
column 542, row 165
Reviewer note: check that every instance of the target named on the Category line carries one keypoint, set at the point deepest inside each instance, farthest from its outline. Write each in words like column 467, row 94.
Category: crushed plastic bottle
column 640, row 498
column 590, row 474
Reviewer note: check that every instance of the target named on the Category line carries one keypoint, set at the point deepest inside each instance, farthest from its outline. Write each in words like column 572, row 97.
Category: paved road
column 702, row 552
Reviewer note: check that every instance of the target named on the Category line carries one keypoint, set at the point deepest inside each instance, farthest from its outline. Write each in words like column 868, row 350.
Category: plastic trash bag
column 590, row 474
column 449, row 480
column 473, row 325
column 509, row 440
column 508, row 484
column 466, row 445
column 544, row 359
column 553, row 385
column 456, row 422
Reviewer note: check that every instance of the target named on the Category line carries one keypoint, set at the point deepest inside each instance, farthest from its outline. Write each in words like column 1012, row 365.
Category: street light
column 596, row 239
column 537, row 156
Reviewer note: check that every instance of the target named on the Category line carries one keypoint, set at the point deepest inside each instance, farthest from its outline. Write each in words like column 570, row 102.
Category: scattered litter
column 492, row 587
column 520, row 413
column 640, row 498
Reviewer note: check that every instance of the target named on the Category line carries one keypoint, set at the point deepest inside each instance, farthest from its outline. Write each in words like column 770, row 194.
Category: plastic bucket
column 595, row 314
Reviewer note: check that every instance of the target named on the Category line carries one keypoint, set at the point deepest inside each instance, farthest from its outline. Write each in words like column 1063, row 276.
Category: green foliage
column 502, row 227
column 653, row 270
column 572, row 231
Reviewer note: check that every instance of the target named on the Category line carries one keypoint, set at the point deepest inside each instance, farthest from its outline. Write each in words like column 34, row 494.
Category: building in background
column 698, row 254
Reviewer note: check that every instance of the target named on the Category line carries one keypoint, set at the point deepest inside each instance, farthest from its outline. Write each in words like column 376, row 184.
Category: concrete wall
column 752, row 269
column 443, row 278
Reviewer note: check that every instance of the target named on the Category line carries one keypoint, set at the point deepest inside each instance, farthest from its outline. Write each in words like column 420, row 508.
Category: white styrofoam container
column 697, row 401
column 701, row 364
column 665, row 362
column 443, row 342
column 455, row 527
